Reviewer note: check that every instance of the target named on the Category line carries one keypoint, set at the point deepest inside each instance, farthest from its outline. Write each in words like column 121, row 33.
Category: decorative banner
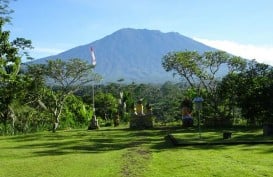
column 93, row 58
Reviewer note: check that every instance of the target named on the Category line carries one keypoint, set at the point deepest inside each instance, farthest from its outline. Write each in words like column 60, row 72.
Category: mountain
column 134, row 55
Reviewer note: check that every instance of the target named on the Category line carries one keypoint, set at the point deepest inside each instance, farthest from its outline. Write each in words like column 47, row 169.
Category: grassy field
column 120, row 152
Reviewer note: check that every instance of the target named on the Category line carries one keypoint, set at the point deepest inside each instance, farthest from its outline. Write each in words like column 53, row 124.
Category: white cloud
column 263, row 54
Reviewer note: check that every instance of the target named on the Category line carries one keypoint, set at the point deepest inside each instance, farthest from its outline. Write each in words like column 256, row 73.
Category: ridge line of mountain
column 132, row 54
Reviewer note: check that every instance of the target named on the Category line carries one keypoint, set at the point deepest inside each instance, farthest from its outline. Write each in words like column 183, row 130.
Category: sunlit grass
column 131, row 153
column 209, row 136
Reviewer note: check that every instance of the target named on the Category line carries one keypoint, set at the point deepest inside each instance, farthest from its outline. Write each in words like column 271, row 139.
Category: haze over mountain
column 132, row 54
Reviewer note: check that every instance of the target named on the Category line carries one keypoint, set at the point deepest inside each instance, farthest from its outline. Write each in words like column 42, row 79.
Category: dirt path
column 135, row 161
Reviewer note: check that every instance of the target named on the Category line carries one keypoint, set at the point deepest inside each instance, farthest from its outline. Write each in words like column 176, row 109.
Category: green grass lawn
column 120, row 152
column 212, row 137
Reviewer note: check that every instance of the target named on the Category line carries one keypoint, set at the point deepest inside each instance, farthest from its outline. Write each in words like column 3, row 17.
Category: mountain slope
column 133, row 54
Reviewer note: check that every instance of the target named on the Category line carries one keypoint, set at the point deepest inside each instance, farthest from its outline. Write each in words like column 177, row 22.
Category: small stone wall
column 141, row 122
column 217, row 122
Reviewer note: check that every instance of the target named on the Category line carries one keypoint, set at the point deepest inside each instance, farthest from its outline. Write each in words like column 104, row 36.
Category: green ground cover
column 121, row 152
column 238, row 136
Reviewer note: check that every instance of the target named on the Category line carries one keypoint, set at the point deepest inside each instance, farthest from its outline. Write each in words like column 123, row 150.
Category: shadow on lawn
column 213, row 139
column 80, row 141
column 103, row 140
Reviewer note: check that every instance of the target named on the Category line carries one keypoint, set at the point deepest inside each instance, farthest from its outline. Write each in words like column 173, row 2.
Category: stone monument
column 94, row 124
column 141, row 119
column 187, row 120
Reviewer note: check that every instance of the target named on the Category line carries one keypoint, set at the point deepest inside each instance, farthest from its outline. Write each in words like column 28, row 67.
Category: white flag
column 93, row 57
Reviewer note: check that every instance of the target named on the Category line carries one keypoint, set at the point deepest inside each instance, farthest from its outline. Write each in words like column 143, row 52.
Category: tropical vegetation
column 65, row 94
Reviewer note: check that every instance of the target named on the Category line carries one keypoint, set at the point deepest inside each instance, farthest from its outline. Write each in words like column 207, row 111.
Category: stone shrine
column 141, row 119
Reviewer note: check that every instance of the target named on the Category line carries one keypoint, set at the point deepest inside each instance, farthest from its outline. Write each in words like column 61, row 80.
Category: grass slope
column 121, row 152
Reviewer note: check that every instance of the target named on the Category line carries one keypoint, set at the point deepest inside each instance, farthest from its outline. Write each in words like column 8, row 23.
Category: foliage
column 29, row 119
column 202, row 73
column 5, row 10
column 34, row 96
column 70, row 74
column 67, row 77
column 76, row 113
column 251, row 91
column 11, row 81
column 106, row 105
column 167, row 106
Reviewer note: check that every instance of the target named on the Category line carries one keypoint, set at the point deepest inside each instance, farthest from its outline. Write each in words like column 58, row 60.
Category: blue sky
column 242, row 27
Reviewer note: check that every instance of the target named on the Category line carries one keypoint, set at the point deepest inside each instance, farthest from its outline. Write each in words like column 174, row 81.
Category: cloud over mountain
column 262, row 54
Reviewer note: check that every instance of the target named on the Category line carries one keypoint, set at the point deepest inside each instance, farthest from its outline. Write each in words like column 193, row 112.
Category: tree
column 10, row 78
column 5, row 11
column 76, row 113
column 251, row 91
column 11, row 81
column 107, row 105
column 65, row 78
column 167, row 107
column 202, row 72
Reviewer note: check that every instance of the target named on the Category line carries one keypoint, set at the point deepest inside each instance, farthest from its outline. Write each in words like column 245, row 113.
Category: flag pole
column 93, row 98
column 94, row 122
column 93, row 60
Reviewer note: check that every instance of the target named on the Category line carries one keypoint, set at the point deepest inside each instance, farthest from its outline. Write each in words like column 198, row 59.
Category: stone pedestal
column 268, row 129
column 187, row 121
column 94, row 124
column 141, row 122
column 227, row 135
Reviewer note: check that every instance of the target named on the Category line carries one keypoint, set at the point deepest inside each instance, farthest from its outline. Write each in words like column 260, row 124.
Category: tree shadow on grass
column 36, row 136
column 213, row 139
column 103, row 140
column 73, row 142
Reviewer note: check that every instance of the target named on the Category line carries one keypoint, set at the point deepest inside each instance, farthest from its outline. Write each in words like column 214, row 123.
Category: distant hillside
column 133, row 54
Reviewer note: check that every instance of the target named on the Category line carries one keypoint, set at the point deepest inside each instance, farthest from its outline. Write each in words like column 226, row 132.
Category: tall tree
column 106, row 105
column 10, row 79
column 5, row 10
column 65, row 78
column 251, row 91
column 202, row 72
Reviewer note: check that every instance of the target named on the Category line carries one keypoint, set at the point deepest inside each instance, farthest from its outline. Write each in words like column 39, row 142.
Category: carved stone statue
column 139, row 107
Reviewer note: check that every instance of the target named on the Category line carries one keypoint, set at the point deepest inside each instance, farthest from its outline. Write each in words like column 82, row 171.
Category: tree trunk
column 55, row 125
column 5, row 117
column 5, row 127
column 13, row 116
column 57, row 114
